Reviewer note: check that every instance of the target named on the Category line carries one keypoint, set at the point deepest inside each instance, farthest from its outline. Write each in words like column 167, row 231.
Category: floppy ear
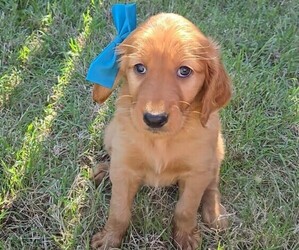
column 100, row 93
column 216, row 89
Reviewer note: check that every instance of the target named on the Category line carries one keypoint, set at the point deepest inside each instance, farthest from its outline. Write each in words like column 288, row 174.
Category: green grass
column 51, row 132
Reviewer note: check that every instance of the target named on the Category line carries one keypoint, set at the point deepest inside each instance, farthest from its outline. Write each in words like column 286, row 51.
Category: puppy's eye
column 184, row 72
column 140, row 68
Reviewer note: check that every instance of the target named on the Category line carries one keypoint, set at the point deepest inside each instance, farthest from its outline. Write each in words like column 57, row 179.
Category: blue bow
column 104, row 68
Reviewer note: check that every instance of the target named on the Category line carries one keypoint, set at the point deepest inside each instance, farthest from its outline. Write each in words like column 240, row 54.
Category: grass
column 51, row 132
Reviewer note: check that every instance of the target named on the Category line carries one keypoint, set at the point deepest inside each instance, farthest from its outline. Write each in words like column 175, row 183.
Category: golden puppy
column 166, row 127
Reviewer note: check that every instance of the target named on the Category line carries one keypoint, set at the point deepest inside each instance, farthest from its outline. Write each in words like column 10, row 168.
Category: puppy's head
column 171, row 70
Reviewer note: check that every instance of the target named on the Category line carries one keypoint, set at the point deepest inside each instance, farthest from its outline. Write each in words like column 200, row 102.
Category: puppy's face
column 172, row 70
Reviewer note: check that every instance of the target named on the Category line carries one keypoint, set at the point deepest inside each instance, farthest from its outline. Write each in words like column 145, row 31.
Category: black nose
column 155, row 121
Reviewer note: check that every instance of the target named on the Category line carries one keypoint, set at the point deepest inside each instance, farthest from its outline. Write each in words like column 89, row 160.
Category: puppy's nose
column 155, row 120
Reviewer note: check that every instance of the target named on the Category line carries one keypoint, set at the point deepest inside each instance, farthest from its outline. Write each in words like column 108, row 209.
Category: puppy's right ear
column 100, row 94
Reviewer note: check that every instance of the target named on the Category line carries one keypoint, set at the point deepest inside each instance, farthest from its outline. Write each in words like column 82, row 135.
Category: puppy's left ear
column 217, row 88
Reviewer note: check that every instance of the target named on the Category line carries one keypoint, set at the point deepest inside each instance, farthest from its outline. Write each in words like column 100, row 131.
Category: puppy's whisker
column 196, row 112
column 123, row 96
column 123, row 111
column 122, row 108
column 187, row 103
column 176, row 106
column 126, row 95
column 189, row 112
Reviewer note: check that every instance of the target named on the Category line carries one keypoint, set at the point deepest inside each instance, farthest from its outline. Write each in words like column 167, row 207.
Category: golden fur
column 188, row 148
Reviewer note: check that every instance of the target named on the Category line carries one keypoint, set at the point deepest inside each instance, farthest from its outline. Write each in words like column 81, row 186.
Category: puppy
column 166, row 127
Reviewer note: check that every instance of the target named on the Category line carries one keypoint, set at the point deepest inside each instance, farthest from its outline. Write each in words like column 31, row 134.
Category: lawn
column 51, row 132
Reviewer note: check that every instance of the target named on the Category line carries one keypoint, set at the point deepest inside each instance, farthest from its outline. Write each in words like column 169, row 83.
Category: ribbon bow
column 104, row 68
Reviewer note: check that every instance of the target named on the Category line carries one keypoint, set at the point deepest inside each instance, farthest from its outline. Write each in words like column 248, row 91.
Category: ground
column 51, row 132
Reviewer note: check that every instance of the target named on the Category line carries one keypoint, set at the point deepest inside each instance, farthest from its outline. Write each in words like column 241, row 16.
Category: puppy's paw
column 187, row 241
column 99, row 172
column 105, row 240
column 215, row 218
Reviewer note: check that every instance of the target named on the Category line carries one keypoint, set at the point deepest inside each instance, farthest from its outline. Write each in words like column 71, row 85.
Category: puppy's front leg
column 213, row 213
column 124, row 188
column 186, row 234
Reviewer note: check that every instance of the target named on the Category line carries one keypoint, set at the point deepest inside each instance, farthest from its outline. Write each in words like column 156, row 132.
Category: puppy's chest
column 163, row 165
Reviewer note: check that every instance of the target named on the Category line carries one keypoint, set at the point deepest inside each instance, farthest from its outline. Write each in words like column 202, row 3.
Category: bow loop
column 104, row 68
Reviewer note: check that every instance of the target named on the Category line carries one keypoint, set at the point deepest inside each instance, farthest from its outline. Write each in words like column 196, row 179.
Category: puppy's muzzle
column 155, row 120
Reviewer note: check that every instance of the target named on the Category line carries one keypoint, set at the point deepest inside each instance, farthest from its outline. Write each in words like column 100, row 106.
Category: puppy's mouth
column 156, row 130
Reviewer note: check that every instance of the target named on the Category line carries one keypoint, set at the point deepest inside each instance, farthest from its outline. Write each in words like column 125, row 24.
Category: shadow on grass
column 45, row 177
